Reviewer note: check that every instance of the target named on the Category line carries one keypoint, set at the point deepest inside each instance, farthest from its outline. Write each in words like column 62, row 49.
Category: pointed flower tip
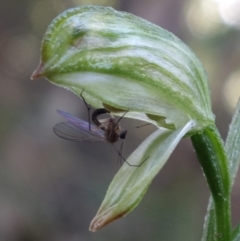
column 101, row 220
column 37, row 73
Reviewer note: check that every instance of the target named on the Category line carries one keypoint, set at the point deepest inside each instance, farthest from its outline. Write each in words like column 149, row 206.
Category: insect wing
column 77, row 130
column 81, row 124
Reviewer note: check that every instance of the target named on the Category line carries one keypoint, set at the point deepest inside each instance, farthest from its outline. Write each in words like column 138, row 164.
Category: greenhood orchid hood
column 124, row 63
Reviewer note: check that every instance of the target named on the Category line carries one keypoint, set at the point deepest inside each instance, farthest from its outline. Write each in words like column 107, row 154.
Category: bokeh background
column 50, row 188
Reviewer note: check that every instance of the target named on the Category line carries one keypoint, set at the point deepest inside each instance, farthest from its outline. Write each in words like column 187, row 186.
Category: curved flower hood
column 128, row 63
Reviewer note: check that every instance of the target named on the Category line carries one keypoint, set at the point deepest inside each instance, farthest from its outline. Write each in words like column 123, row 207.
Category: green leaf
column 209, row 228
column 232, row 144
column 123, row 61
column 130, row 183
column 236, row 233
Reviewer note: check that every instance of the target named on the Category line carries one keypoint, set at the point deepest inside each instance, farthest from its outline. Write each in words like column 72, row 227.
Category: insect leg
column 120, row 155
column 121, row 117
column 88, row 108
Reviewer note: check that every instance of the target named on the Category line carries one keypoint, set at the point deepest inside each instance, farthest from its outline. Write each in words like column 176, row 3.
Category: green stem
column 211, row 155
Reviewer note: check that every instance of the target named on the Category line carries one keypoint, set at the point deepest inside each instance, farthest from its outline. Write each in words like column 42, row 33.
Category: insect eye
column 123, row 134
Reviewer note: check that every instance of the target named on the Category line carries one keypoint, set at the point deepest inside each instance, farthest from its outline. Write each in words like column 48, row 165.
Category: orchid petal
column 130, row 183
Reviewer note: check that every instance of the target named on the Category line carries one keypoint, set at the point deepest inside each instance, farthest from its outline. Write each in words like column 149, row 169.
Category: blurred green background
column 50, row 189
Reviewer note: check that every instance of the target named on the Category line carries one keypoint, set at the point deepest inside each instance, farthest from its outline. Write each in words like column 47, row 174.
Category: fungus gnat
column 104, row 130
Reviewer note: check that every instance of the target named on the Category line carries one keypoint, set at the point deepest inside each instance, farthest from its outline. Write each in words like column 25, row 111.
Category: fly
column 105, row 130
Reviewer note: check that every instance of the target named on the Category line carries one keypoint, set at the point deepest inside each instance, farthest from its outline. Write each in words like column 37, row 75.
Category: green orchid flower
column 123, row 63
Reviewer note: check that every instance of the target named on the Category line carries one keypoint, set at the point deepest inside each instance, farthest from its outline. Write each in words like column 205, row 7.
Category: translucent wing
column 77, row 130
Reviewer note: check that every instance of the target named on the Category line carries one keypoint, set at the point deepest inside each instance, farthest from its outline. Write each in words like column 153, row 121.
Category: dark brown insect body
column 111, row 128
